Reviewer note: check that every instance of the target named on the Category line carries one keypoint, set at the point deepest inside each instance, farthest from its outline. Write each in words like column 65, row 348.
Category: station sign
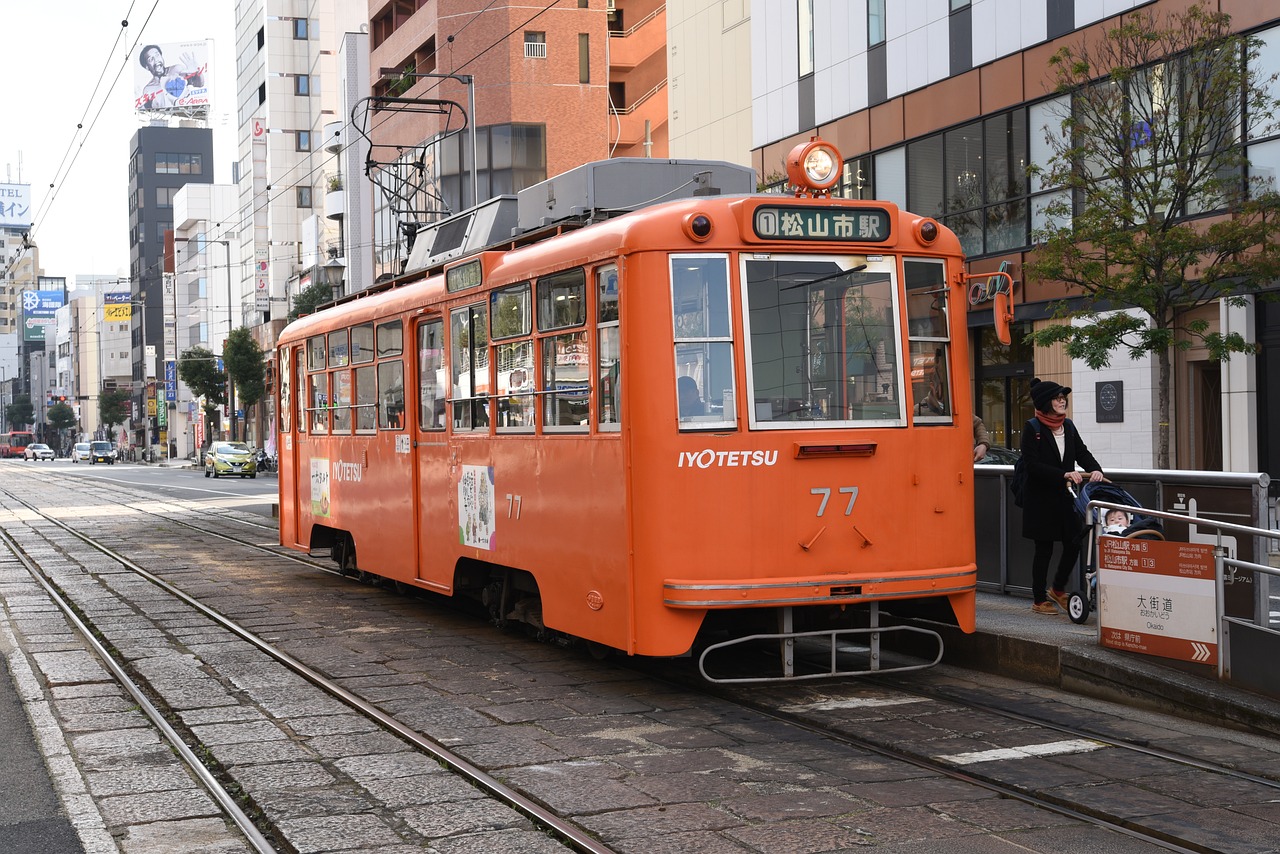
column 1158, row 598
column 785, row 222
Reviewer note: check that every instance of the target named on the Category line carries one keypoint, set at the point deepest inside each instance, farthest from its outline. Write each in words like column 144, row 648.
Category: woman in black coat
column 1052, row 448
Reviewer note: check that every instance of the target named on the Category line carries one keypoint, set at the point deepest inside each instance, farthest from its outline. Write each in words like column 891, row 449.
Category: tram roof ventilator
column 589, row 193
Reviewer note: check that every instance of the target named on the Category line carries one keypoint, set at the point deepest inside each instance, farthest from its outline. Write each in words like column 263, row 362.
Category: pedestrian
column 981, row 439
column 1052, row 449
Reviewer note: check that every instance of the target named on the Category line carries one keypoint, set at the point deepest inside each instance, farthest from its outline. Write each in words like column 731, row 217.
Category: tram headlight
column 814, row 166
column 927, row 230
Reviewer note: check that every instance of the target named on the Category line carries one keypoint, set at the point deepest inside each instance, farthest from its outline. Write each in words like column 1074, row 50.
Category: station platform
column 1013, row 641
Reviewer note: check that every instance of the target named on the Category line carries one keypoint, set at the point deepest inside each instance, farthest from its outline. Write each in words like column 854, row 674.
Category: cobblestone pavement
column 648, row 766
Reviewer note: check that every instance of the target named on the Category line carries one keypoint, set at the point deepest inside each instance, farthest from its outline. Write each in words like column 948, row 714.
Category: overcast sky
column 72, row 63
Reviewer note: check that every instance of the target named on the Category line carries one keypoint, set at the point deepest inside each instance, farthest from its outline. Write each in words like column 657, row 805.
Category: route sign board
column 1158, row 598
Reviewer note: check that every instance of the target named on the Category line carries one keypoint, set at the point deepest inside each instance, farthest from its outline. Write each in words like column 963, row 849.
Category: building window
column 959, row 4
column 262, row 37
column 179, row 164
column 302, row 84
column 804, row 11
column 875, row 22
column 304, row 197
column 535, row 45
column 303, row 138
column 262, row 93
column 584, row 57
column 973, row 178
column 301, row 27
column 164, row 196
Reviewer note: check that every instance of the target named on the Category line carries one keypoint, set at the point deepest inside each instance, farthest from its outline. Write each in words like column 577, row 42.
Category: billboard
column 38, row 308
column 117, row 307
column 173, row 79
column 15, row 205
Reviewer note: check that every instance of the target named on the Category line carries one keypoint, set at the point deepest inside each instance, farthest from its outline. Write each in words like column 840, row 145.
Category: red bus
column 698, row 424
column 13, row 444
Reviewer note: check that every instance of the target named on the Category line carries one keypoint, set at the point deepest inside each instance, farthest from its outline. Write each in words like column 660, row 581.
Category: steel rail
column 567, row 832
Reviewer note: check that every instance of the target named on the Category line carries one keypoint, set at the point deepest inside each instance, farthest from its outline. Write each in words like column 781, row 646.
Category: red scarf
column 1053, row 422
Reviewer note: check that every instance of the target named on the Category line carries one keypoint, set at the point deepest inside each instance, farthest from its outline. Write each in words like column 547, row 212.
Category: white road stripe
column 1053, row 748
column 857, row 703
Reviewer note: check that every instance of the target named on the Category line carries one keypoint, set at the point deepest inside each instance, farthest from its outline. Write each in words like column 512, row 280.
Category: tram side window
column 390, row 339
column 286, row 392
column 469, row 367
column 511, row 316
column 391, row 395
column 338, row 349
column 929, row 339
column 341, row 383
column 566, row 364
column 362, row 344
column 319, row 398
column 300, row 376
column 431, row 384
column 315, row 353
column 366, row 408
column 703, row 341
column 609, row 360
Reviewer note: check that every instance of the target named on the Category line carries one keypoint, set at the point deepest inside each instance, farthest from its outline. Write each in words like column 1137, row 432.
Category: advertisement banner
column 38, row 308
column 15, row 206
column 173, row 78
column 116, row 307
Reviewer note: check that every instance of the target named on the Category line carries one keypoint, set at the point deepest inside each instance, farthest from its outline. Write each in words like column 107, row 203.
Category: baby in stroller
column 1106, row 522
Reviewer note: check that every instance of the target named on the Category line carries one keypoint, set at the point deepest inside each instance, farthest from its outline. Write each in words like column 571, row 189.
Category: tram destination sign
column 783, row 222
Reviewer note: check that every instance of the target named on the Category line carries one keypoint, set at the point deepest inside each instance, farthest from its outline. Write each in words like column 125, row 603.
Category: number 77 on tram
column 716, row 420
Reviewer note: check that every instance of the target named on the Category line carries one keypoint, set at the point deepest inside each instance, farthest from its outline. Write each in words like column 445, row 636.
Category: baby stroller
column 1139, row 526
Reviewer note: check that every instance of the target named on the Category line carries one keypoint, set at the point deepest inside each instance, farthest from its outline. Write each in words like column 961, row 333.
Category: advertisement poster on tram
column 320, row 495
column 1158, row 598
column 475, row 507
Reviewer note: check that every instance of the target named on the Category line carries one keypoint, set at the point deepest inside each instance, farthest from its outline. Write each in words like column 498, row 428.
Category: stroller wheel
column 1078, row 607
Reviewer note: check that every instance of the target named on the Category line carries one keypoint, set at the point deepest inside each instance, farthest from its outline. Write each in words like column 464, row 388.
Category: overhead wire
column 61, row 176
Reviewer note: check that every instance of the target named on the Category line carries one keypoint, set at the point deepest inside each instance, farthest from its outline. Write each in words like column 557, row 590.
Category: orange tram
column 662, row 426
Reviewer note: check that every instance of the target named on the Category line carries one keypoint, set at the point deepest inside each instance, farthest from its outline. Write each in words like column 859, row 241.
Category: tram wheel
column 346, row 556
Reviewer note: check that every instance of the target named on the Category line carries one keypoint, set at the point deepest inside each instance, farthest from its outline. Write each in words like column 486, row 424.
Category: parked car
column 230, row 458
column 80, row 451
column 102, row 452
column 38, row 451
column 999, row 456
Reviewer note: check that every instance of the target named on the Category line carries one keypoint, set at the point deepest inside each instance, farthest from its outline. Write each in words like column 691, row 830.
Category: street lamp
column 333, row 270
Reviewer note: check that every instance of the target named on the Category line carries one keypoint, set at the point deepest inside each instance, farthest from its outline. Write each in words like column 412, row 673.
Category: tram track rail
column 781, row 705
column 571, row 835
column 770, row 705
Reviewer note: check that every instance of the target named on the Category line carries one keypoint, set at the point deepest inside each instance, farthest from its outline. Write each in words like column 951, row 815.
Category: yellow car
column 229, row 458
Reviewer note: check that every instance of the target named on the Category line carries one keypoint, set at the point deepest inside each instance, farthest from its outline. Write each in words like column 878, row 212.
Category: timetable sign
column 862, row 225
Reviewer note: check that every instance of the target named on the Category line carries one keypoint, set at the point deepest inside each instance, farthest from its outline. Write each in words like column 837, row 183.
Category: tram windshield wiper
column 836, row 275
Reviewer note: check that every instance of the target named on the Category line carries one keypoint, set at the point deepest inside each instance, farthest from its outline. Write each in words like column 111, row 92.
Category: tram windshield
column 823, row 342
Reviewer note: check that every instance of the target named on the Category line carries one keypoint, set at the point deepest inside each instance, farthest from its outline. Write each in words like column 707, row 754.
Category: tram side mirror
column 1002, row 309
column 996, row 288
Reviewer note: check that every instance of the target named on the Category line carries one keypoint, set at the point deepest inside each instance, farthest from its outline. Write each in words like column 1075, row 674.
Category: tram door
column 434, row 490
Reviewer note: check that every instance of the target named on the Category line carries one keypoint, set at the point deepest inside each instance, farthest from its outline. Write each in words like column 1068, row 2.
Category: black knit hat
column 1044, row 391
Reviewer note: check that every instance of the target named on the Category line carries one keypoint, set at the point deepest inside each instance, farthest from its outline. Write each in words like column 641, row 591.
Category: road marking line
column 857, row 703
column 1054, row 748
